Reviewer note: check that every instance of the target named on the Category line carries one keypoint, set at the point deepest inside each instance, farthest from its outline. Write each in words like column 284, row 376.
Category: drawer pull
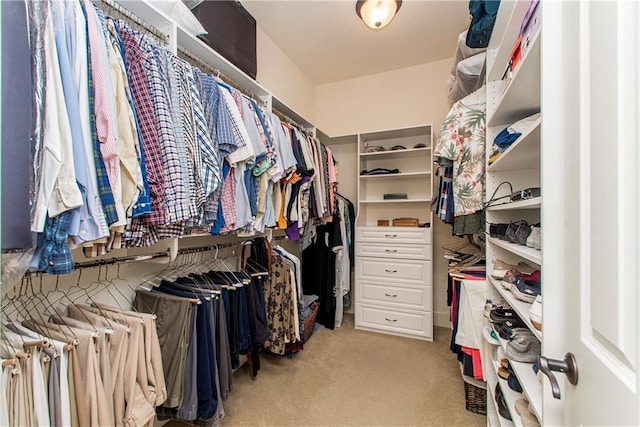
column 390, row 320
column 390, row 235
column 391, row 295
column 391, row 251
column 390, row 271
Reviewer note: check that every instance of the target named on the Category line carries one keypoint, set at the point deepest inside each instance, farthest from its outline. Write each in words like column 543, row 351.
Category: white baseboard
column 441, row 319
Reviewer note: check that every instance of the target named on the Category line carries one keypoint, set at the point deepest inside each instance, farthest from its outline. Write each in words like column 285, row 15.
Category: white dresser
column 393, row 281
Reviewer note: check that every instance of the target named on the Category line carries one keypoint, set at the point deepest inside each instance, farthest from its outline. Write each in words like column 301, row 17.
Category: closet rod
column 121, row 260
column 201, row 62
column 288, row 119
column 135, row 19
column 198, row 249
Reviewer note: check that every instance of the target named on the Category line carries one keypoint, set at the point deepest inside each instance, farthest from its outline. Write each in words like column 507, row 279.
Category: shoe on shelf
column 513, row 383
column 523, row 408
column 503, row 410
column 488, row 306
column 504, row 372
column 523, row 346
column 524, row 268
column 509, row 277
column 535, row 238
column 501, row 314
column 535, row 313
column 500, row 268
column 505, row 329
column 500, row 354
column 525, row 290
column 522, row 233
column 490, row 336
column 534, row 277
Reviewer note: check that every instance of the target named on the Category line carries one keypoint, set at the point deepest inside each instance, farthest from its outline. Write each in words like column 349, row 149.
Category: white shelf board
column 508, row 21
column 206, row 53
column 395, row 154
column 525, row 252
column 529, row 382
column 522, row 154
column 510, row 397
column 520, row 307
column 397, row 175
column 534, row 203
column 521, row 97
column 397, row 201
column 396, row 133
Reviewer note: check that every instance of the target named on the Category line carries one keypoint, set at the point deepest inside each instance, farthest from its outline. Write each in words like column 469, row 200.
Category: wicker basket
column 475, row 398
column 310, row 321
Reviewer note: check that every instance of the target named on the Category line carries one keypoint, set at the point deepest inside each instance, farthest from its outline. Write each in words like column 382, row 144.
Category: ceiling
column 329, row 43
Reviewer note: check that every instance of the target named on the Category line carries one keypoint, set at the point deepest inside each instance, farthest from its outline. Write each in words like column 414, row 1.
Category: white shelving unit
column 393, row 292
column 512, row 95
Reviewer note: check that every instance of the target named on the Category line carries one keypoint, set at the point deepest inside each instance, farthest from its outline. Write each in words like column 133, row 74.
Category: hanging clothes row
column 88, row 365
column 137, row 145
column 327, row 260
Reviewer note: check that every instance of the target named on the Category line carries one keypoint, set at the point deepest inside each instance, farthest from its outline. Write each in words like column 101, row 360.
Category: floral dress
column 462, row 141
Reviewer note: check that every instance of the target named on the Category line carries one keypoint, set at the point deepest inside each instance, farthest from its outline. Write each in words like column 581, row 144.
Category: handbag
column 483, row 17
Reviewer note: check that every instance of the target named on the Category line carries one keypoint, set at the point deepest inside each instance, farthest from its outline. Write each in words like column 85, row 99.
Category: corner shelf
column 395, row 154
column 534, row 203
column 521, row 97
column 523, row 153
column 530, row 254
column 520, row 307
column 397, row 175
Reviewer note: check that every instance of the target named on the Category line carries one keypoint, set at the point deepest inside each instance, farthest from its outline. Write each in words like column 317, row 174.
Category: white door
column 591, row 211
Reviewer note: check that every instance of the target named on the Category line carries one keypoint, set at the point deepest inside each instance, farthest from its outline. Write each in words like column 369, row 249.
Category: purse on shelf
column 405, row 222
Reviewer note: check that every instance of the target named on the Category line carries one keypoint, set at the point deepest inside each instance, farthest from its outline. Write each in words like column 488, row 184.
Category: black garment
column 319, row 270
column 17, row 95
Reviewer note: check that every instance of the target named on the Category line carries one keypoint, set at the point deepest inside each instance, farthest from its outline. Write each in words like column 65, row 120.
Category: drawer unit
column 393, row 235
column 412, row 323
column 405, row 296
column 403, row 251
column 392, row 270
column 393, row 291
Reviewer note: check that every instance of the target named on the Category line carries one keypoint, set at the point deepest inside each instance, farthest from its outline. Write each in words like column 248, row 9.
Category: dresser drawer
column 395, row 295
column 414, row 235
column 382, row 270
column 403, row 251
column 403, row 322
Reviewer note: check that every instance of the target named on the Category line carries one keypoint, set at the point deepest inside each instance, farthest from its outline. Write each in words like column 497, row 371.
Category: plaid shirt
column 104, row 186
column 176, row 193
column 174, row 96
column 55, row 256
column 134, row 61
column 187, row 116
column 228, row 203
column 143, row 204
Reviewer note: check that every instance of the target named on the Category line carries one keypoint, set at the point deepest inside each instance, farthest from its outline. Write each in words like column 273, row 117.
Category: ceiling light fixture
column 377, row 14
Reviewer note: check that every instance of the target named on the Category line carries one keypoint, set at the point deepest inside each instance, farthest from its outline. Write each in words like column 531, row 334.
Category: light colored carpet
column 348, row 377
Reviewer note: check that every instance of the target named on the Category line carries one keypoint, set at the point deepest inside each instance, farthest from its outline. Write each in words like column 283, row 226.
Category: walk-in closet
column 322, row 213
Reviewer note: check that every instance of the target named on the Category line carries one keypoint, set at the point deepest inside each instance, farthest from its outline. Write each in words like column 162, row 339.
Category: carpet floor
column 347, row 377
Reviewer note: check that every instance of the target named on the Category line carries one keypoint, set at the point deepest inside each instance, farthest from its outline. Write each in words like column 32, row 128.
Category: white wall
column 283, row 78
column 405, row 97
column 401, row 98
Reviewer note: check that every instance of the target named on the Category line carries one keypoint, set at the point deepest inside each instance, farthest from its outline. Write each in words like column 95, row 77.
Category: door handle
column 390, row 320
column 568, row 366
column 391, row 295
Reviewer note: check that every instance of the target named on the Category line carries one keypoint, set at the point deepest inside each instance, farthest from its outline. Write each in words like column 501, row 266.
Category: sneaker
column 523, row 346
column 501, row 315
column 500, row 268
column 510, row 277
column 535, row 313
column 503, row 409
column 535, row 237
column 526, row 290
column 513, row 383
column 523, row 408
column 488, row 306
column 522, row 233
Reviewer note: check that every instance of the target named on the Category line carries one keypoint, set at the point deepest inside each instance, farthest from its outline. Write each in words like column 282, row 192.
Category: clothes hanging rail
column 198, row 249
column 118, row 8
column 111, row 261
column 289, row 120
column 201, row 62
